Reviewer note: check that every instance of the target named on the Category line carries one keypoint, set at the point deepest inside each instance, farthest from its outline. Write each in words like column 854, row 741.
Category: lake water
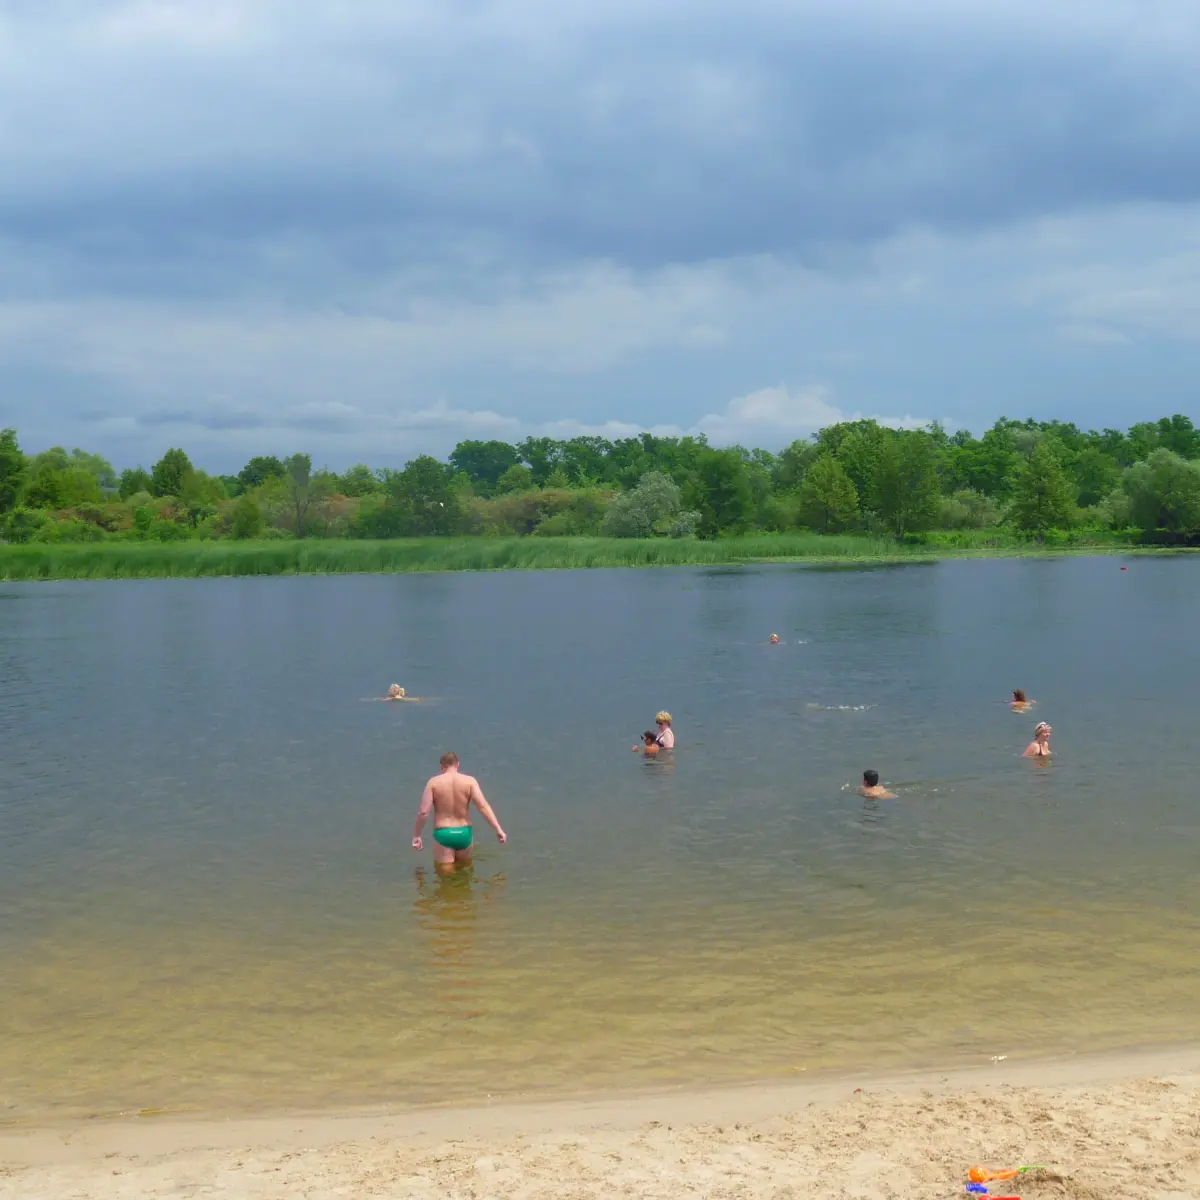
column 208, row 900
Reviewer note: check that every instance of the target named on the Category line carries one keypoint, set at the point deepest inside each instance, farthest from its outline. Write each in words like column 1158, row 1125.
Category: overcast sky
column 371, row 229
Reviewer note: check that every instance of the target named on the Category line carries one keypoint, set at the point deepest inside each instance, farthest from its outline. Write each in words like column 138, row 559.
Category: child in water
column 649, row 746
column 873, row 789
column 396, row 692
column 1018, row 703
column 1040, row 746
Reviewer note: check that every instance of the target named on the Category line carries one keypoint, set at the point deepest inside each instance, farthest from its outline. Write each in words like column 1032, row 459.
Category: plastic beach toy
column 983, row 1175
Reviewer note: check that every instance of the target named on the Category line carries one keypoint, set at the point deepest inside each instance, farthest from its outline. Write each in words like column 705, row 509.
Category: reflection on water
column 207, row 900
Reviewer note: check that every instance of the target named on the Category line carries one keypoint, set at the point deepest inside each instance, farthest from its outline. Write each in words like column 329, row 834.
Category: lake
column 208, row 901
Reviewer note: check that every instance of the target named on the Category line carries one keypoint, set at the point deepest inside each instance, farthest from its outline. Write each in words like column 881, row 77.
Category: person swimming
column 872, row 789
column 666, row 736
column 773, row 639
column 396, row 692
column 1040, row 746
column 1018, row 703
column 649, row 746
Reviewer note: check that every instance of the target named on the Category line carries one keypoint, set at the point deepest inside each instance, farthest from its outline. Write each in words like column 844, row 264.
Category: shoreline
column 745, row 1131
column 195, row 560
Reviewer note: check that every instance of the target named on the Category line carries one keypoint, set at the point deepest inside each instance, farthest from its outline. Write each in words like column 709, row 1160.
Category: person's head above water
column 1018, row 696
column 650, row 738
column 396, row 692
column 663, row 718
column 1041, row 729
column 449, row 760
column 774, row 639
column 871, row 778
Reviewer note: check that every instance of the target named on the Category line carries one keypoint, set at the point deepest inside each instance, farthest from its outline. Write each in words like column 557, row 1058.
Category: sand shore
column 1115, row 1127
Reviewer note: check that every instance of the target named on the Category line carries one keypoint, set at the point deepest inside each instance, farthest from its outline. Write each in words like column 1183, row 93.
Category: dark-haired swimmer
column 872, row 789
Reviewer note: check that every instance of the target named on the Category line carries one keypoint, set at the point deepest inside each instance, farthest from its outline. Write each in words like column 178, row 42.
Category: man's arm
column 485, row 808
column 423, row 815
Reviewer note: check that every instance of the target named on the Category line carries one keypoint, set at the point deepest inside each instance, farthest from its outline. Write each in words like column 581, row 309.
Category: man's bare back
column 449, row 797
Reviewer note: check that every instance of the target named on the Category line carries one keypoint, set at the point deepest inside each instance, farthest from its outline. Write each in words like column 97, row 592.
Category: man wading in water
column 449, row 796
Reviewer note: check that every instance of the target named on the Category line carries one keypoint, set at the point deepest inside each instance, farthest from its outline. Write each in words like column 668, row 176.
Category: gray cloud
column 182, row 149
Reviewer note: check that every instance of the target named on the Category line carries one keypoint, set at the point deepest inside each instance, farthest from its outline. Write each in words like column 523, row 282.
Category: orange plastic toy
column 983, row 1175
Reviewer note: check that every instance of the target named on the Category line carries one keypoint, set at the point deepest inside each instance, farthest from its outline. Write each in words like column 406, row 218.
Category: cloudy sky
column 371, row 229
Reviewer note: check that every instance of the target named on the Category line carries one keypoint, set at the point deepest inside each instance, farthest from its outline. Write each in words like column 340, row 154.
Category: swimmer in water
column 1018, row 703
column 649, row 746
column 396, row 692
column 872, row 789
column 666, row 736
column 449, row 797
column 774, row 639
column 1040, row 746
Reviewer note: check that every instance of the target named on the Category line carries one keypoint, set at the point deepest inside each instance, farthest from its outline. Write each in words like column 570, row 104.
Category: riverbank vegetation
column 856, row 489
column 311, row 556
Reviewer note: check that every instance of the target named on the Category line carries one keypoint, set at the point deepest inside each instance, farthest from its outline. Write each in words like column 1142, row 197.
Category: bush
column 967, row 509
column 644, row 510
column 21, row 524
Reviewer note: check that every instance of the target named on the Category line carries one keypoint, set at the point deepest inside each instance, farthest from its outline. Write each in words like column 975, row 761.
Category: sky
column 370, row 230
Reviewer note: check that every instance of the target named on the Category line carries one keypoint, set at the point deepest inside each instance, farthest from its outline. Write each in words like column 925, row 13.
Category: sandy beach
column 1111, row 1128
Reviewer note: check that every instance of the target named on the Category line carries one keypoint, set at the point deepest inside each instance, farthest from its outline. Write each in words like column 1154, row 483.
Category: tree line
column 1040, row 479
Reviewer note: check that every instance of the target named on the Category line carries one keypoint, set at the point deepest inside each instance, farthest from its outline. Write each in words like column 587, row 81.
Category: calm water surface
column 208, row 901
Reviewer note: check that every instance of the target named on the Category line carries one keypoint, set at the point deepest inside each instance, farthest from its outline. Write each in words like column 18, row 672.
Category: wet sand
column 1123, row 1127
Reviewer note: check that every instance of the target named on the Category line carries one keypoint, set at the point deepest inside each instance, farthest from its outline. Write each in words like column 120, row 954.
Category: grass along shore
column 162, row 560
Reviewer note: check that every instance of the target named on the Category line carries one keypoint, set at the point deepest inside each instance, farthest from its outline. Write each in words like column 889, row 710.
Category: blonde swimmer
column 666, row 735
column 1040, row 746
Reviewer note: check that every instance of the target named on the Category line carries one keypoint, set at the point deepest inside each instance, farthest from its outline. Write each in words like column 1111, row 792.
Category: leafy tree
column 233, row 485
column 558, row 478
column 720, row 491
column 359, row 480
column 303, row 488
column 967, row 509
column 905, row 489
column 57, row 481
column 20, row 524
column 259, row 470
column 860, row 451
column 640, row 511
column 169, row 474
column 132, row 481
column 1164, row 493
column 791, row 463
column 97, row 466
column 201, row 495
column 484, row 462
column 586, row 458
column 542, row 454
column 518, row 478
column 423, row 500
column 14, row 470
column 1179, row 435
column 828, row 498
column 247, row 518
column 1043, row 496
column 1095, row 474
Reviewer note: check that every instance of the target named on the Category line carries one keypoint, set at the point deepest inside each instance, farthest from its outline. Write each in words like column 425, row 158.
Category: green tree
column 905, row 488
column 860, row 451
column 558, row 478
column 1095, row 475
column 201, row 495
column 423, row 499
column 720, row 490
column 644, row 509
column 169, row 474
column 1043, row 497
column 828, row 498
column 518, row 478
column 132, row 481
column 97, row 466
column 14, row 470
column 57, row 481
column 791, row 463
column 359, row 480
column 247, row 518
column 484, row 463
column 259, row 470
column 303, row 488
column 542, row 454
column 1179, row 435
column 1164, row 493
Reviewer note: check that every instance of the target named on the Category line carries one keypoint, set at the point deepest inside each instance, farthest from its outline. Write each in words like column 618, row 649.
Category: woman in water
column 1018, row 703
column 1040, row 746
column 396, row 692
column 666, row 736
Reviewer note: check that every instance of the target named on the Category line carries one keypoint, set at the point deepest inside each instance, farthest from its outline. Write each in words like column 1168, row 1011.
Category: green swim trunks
column 453, row 837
